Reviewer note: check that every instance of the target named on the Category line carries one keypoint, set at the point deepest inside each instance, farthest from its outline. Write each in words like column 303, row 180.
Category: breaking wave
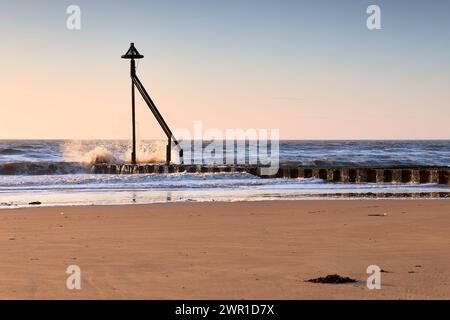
column 146, row 153
column 75, row 157
column 43, row 168
column 99, row 155
column 11, row 151
column 154, row 153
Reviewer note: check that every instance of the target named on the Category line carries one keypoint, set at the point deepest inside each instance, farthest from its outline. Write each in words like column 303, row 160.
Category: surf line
column 187, row 310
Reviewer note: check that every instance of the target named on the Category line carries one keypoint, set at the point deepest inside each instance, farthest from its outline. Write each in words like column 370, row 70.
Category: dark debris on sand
column 35, row 203
column 333, row 278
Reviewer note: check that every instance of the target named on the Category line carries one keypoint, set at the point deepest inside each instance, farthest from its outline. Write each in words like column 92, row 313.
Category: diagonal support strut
column 170, row 137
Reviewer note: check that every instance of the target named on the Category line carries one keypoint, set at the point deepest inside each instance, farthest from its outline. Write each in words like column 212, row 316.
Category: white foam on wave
column 99, row 155
column 154, row 152
column 111, row 152
column 189, row 181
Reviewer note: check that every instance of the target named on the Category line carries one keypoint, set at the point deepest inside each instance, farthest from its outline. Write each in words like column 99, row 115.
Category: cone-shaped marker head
column 132, row 53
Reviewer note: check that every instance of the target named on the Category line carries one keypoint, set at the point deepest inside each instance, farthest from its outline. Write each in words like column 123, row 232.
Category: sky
column 311, row 69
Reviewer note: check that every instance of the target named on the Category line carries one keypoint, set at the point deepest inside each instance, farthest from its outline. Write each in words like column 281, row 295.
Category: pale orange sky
column 309, row 83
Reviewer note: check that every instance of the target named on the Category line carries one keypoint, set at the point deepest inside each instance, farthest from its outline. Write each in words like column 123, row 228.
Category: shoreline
column 440, row 196
column 227, row 250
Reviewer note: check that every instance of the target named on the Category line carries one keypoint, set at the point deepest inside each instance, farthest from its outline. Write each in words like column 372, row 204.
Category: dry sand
column 246, row 250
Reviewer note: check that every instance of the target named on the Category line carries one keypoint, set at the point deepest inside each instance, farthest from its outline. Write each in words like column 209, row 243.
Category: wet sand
column 242, row 250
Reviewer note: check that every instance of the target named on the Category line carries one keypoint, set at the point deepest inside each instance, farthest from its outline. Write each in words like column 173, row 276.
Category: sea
column 59, row 172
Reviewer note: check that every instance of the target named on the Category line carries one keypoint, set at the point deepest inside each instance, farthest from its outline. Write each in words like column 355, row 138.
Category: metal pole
column 168, row 151
column 133, row 112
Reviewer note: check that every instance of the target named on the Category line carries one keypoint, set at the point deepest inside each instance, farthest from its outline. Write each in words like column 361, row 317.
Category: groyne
column 393, row 174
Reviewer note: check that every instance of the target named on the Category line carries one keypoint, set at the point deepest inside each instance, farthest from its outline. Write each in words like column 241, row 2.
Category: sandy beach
column 243, row 250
